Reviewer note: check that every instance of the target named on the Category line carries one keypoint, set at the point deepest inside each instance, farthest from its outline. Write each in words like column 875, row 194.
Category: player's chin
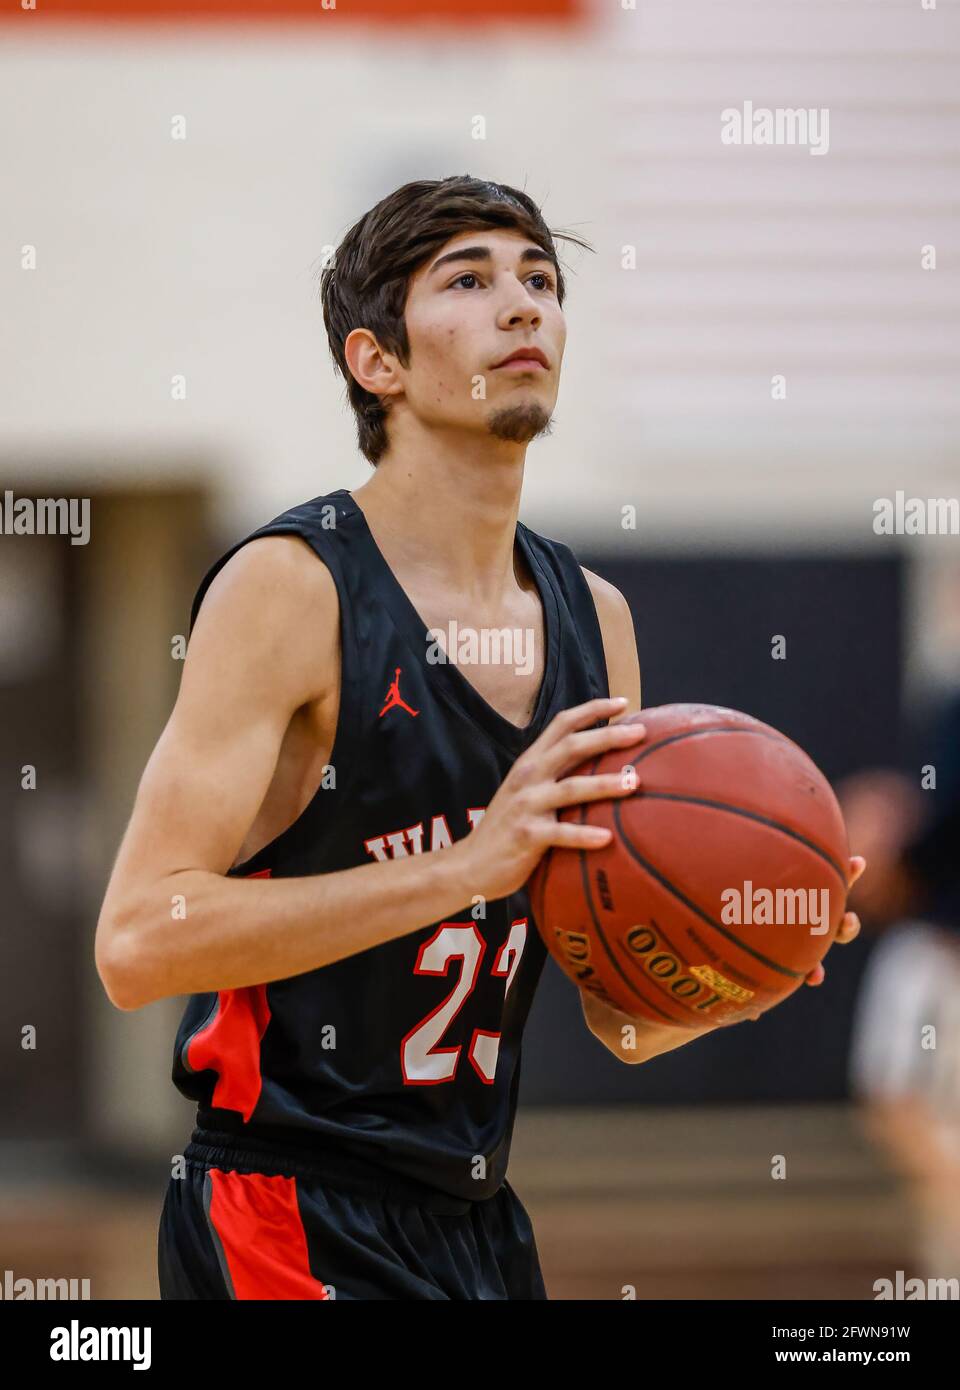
column 520, row 421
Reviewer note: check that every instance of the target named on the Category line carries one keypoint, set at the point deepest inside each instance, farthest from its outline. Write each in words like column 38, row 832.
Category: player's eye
column 467, row 275
column 548, row 283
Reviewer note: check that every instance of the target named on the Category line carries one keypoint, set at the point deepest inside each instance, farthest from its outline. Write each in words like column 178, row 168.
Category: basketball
column 725, row 881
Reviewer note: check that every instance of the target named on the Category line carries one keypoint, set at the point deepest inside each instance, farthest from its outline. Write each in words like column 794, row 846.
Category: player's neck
column 448, row 515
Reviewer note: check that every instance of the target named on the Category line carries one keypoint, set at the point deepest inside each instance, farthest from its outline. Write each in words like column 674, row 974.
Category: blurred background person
column 905, row 1061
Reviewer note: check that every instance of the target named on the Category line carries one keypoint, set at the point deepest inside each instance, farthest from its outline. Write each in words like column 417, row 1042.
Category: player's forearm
column 630, row 1039
column 197, row 932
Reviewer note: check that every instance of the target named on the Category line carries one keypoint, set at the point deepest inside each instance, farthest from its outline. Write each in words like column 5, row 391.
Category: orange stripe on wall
column 462, row 12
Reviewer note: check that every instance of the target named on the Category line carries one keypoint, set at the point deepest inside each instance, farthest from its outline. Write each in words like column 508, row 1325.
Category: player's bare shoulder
column 271, row 618
column 612, row 607
column 619, row 638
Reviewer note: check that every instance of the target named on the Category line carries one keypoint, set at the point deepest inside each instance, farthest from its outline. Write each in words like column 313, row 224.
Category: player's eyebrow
column 482, row 253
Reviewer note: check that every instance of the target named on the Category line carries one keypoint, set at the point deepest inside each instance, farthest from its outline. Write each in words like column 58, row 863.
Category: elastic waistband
column 335, row 1170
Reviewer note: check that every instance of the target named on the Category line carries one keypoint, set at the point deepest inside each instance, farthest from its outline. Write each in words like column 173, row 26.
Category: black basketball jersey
column 405, row 1056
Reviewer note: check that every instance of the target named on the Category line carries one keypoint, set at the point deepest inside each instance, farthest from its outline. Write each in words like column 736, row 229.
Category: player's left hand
column 849, row 927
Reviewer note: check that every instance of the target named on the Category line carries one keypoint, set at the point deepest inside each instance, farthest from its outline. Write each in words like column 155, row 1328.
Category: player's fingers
column 817, row 975
column 571, row 791
column 857, row 866
column 575, row 748
column 849, row 928
column 579, row 717
column 746, row 1015
column 565, row 835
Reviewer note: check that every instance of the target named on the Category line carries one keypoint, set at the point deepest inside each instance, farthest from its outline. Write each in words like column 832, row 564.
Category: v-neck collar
column 446, row 676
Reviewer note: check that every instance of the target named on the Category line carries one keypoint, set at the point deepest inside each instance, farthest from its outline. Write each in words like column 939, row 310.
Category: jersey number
column 424, row 1062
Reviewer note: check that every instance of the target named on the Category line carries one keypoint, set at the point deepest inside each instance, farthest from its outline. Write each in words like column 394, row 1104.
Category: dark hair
column 366, row 286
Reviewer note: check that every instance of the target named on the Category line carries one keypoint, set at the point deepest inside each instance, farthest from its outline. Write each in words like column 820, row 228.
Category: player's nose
column 518, row 306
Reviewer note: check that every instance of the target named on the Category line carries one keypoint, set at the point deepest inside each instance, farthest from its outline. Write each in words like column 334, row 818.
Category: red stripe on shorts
column 257, row 1221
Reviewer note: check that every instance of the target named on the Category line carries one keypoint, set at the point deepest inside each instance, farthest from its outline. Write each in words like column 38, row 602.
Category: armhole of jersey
column 273, row 528
column 580, row 600
column 597, row 629
column 324, row 553
column 349, row 719
column 209, row 577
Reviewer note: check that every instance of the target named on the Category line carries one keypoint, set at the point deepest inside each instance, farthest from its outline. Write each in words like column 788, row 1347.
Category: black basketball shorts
column 252, row 1223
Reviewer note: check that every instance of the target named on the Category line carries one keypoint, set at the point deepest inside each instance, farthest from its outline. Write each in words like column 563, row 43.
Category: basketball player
column 330, row 843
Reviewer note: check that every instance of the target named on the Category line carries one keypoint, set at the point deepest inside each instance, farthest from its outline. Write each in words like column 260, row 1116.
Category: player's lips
column 526, row 359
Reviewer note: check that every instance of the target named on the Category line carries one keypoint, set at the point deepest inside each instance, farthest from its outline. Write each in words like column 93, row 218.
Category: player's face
column 483, row 298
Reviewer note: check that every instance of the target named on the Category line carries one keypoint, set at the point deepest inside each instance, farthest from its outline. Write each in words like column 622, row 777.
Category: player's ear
column 371, row 367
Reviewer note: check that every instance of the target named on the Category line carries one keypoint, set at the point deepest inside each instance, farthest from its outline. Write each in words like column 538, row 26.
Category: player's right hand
column 520, row 823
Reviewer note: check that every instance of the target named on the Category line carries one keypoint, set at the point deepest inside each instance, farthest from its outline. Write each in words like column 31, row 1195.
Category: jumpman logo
column 394, row 698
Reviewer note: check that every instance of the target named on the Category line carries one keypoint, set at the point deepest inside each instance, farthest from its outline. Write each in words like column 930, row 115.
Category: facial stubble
column 519, row 423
